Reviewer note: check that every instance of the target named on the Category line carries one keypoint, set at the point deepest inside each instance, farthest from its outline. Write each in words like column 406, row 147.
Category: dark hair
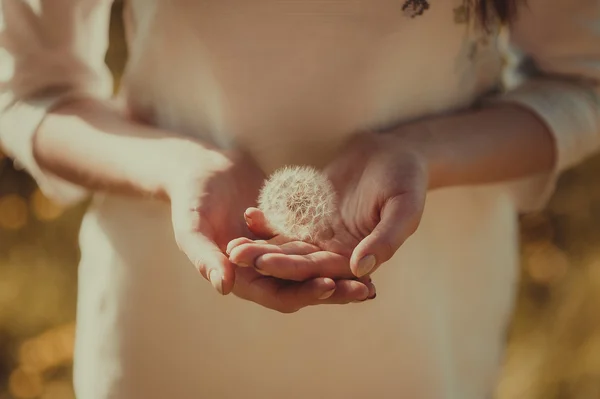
column 486, row 12
column 505, row 10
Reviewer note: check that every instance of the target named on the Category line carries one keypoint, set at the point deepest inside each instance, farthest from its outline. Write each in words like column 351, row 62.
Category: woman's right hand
column 209, row 191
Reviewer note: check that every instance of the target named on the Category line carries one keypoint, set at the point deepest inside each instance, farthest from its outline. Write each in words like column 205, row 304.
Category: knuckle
column 201, row 267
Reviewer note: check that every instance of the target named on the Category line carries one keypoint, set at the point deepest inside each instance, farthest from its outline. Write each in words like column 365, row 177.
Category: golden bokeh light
column 58, row 390
column 590, row 361
column 44, row 208
column 50, row 349
column 24, row 385
column 13, row 212
column 35, row 357
column 546, row 264
column 9, row 292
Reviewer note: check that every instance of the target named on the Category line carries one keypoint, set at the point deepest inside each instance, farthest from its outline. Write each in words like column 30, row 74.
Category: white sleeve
column 50, row 51
column 559, row 46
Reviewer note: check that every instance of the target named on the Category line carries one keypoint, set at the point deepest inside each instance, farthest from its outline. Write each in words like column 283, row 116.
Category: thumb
column 399, row 219
column 195, row 237
column 258, row 224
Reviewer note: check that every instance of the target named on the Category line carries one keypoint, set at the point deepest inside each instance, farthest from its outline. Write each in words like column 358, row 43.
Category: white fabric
column 288, row 81
column 50, row 51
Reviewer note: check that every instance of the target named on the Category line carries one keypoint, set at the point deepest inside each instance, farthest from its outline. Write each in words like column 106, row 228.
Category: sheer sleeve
column 50, row 51
column 557, row 45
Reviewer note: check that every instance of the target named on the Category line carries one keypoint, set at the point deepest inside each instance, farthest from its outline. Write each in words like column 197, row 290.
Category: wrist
column 183, row 160
column 419, row 141
column 481, row 146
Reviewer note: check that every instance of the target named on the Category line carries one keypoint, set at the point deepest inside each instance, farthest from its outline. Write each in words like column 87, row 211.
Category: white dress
column 288, row 80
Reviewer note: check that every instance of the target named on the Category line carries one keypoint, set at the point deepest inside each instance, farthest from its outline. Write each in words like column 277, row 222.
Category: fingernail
column 248, row 220
column 374, row 294
column 365, row 265
column 216, row 280
column 242, row 264
column 328, row 294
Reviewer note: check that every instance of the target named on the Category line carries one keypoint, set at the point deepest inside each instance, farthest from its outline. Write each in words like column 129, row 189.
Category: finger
column 320, row 291
column 195, row 238
column 304, row 267
column 258, row 224
column 400, row 218
column 298, row 248
column 372, row 290
column 209, row 261
column 239, row 241
column 366, row 280
column 245, row 254
column 289, row 297
column 284, row 297
column 307, row 293
column 347, row 291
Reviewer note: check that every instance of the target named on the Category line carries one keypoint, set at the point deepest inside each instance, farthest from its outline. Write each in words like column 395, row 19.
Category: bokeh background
column 553, row 342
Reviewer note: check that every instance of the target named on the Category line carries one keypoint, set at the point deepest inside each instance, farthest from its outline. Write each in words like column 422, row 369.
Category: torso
column 288, row 81
column 283, row 78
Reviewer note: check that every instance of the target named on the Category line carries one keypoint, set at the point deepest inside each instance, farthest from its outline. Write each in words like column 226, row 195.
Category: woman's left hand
column 381, row 182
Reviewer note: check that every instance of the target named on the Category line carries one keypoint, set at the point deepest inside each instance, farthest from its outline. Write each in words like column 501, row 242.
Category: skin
column 386, row 175
column 382, row 181
column 207, row 190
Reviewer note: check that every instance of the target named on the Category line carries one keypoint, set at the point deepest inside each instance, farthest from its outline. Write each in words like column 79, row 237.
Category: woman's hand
column 208, row 198
column 210, row 188
column 381, row 183
column 382, row 180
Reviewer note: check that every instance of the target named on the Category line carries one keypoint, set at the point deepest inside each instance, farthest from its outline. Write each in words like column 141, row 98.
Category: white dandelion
column 298, row 202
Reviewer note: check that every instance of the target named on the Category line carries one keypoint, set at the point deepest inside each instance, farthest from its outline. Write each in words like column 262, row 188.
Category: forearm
column 482, row 146
column 92, row 145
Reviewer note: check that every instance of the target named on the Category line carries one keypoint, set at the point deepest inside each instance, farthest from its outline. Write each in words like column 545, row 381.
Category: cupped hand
column 381, row 183
column 208, row 197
